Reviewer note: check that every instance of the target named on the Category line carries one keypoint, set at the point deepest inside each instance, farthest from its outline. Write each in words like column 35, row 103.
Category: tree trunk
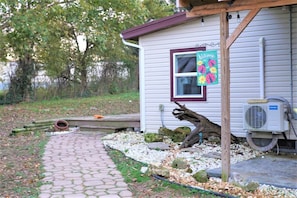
column 20, row 87
column 84, row 81
column 202, row 124
column 83, row 74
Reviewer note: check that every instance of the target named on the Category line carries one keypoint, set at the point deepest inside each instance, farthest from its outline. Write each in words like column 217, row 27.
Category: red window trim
column 172, row 98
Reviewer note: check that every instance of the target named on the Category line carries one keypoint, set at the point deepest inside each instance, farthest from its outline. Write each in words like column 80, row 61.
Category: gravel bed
column 200, row 157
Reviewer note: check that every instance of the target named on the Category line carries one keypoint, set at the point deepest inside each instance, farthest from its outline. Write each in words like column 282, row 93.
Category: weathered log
column 19, row 130
column 202, row 124
column 192, row 138
column 38, row 125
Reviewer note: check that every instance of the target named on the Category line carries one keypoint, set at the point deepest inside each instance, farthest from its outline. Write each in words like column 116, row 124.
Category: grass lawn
column 20, row 156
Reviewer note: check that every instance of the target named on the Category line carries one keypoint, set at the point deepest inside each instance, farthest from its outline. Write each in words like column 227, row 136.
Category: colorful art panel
column 207, row 68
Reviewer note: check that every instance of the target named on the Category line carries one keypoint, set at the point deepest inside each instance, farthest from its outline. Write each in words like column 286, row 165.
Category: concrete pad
column 276, row 170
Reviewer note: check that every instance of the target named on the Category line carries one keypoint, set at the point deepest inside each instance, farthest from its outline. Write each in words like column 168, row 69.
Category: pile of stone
column 166, row 159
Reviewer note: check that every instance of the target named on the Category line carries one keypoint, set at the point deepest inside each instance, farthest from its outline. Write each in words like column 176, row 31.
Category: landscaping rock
column 153, row 137
column 179, row 163
column 158, row 170
column 214, row 155
column 191, row 149
column 158, row 146
column 144, row 169
column 251, row 186
column 201, row 176
column 214, row 139
column 177, row 135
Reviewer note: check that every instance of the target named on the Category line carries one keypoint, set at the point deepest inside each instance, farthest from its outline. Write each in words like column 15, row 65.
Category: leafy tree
column 43, row 34
column 100, row 22
column 158, row 9
column 20, row 26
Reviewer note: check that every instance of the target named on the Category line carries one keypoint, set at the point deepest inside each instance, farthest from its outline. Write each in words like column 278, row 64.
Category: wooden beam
column 225, row 96
column 238, row 5
column 244, row 23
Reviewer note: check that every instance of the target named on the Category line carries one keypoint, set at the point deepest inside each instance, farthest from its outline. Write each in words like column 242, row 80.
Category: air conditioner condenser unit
column 265, row 117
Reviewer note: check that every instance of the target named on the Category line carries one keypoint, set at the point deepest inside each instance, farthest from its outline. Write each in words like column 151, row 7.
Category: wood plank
column 238, row 5
column 225, row 97
column 244, row 23
column 109, row 121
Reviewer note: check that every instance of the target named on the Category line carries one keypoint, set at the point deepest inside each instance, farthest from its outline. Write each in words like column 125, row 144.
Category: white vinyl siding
column 272, row 24
column 158, row 46
column 294, row 61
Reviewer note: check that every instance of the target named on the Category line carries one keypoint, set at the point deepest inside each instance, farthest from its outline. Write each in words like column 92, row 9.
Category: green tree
column 101, row 22
column 43, row 34
column 157, row 9
column 20, row 23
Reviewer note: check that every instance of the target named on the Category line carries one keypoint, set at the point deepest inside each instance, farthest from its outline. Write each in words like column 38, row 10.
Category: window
column 184, row 76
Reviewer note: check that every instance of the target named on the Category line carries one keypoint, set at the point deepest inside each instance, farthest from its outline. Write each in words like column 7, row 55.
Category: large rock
column 177, row 135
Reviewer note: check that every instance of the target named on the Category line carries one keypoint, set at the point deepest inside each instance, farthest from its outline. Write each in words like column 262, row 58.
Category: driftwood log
column 202, row 124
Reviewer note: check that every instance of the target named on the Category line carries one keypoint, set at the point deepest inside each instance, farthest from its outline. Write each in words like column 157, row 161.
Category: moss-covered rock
column 214, row 139
column 177, row 135
column 179, row 163
column 201, row 176
column 189, row 170
column 158, row 170
column 153, row 137
column 165, row 131
column 251, row 187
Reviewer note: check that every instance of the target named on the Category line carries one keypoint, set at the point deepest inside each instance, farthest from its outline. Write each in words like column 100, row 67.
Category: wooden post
column 225, row 96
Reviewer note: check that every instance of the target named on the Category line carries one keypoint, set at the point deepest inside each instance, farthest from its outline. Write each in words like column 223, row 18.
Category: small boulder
column 201, row 176
column 179, row 163
column 214, row 139
column 153, row 137
column 214, row 155
column 251, row 186
column 144, row 169
column 158, row 170
column 177, row 135
column 158, row 146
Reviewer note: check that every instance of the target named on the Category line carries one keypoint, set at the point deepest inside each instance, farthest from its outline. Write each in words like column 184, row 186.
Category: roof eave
column 153, row 26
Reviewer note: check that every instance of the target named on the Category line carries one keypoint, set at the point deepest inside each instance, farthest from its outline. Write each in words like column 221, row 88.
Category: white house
column 263, row 65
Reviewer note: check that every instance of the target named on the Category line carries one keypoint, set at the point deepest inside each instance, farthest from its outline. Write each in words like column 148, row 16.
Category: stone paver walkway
column 77, row 166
